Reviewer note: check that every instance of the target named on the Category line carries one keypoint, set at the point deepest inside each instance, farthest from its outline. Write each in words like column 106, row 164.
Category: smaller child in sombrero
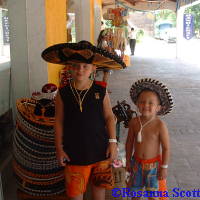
column 145, row 161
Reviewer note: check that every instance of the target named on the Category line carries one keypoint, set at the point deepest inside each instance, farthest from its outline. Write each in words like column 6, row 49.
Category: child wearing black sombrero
column 84, row 127
column 147, row 132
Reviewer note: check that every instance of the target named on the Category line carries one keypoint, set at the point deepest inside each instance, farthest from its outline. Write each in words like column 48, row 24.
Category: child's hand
column 62, row 158
column 162, row 174
column 111, row 152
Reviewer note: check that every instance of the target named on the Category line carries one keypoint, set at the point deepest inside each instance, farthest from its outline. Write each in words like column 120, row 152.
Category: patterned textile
column 77, row 177
column 83, row 51
column 35, row 165
column 144, row 174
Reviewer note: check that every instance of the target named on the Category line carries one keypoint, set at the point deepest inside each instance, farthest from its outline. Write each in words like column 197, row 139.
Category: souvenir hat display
column 159, row 88
column 36, row 168
column 117, row 15
column 83, row 51
column 48, row 91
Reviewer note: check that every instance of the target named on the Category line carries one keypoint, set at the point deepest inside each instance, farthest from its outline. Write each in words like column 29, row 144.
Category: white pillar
column 180, row 39
column 1, row 34
column 82, row 19
column 97, row 21
column 27, row 40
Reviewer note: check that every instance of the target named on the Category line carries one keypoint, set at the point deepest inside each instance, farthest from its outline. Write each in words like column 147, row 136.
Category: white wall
column 4, row 87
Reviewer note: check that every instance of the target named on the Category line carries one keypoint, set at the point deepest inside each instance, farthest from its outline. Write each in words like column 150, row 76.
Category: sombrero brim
column 66, row 53
column 157, row 87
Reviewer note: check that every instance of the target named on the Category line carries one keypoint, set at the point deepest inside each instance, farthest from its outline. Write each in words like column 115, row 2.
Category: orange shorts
column 77, row 177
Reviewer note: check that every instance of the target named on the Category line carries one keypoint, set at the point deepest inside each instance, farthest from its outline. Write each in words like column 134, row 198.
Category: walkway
column 184, row 81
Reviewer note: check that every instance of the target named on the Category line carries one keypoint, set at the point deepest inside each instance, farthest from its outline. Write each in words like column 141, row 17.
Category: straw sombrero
column 157, row 87
column 83, row 51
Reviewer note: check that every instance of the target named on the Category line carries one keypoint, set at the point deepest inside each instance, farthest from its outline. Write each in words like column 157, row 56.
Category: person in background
column 132, row 40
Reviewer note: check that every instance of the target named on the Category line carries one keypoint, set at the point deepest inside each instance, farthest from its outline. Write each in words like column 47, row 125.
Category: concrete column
column 27, row 36
column 83, row 19
column 97, row 21
column 34, row 25
column 1, row 34
column 180, row 39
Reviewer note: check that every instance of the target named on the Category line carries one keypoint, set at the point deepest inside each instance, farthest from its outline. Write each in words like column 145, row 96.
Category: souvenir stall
column 37, row 172
column 114, row 39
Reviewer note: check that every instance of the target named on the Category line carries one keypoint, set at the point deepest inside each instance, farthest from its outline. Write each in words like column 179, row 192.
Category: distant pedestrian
column 132, row 40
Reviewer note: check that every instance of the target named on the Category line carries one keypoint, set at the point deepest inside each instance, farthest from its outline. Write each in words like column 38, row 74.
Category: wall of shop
column 4, row 87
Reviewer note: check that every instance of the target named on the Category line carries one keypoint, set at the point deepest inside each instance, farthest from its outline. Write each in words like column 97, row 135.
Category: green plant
column 165, row 15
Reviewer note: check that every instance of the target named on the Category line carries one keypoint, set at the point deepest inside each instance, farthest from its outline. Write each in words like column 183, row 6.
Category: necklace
column 78, row 95
column 139, row 135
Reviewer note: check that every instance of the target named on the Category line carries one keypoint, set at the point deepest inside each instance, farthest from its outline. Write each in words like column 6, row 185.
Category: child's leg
column 98, row 193
column 76, row 178
column 151, row 181
column 101, row 179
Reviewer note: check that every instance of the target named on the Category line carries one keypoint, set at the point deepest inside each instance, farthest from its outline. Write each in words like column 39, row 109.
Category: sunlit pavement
column 156, row 59
column 150, row 47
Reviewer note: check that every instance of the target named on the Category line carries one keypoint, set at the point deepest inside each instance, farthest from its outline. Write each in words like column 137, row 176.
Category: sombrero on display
column 29, row 110
column 35, row 164
column 83, row 51
column 157, row 87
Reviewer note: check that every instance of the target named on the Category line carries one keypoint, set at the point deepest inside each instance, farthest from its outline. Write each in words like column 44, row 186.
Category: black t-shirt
column 85, row 138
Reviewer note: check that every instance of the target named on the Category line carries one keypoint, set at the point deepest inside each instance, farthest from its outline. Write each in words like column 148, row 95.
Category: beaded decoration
column 161, row 90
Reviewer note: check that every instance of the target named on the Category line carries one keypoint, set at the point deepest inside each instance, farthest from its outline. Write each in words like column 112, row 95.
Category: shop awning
column 147, row 5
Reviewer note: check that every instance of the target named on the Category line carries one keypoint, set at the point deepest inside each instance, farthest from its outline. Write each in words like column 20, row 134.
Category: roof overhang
column 147, row 5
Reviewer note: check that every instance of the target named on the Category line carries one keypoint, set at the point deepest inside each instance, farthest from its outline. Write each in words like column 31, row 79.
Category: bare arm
column 164, row 138
column 110, row 125
column 109, row 117
column 59, row 115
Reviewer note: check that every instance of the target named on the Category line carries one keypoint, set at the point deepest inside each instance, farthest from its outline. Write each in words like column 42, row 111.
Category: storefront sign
column 188, row 26
column 5, row 24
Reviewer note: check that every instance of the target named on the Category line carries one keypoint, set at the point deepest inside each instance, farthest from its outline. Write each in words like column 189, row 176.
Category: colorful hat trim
column 157, row 87
column 83, row 51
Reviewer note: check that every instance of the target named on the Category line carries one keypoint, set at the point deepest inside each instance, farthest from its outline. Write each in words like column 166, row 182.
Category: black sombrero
column 157, row 87
column 82, row 51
